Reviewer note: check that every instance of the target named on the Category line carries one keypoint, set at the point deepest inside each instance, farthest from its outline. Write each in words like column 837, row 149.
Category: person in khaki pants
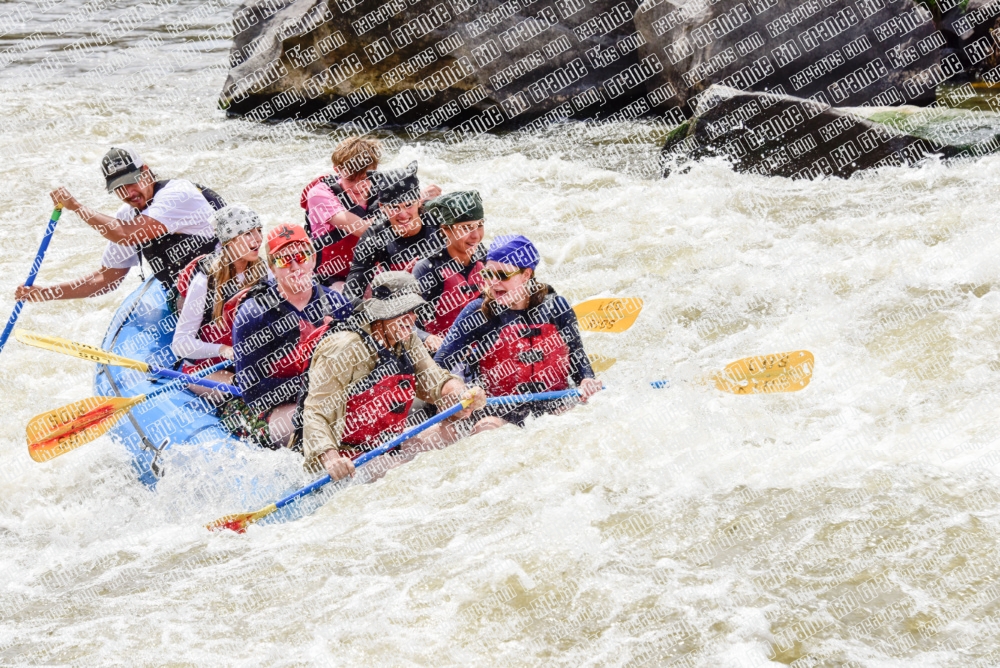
column 363, row 380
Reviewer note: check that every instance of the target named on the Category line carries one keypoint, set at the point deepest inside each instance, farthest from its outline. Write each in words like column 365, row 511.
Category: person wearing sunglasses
column 364, row 379
column 450, row 279
column 210, row 290
column 401, row 238
column 165, row 221
column 275, row 330
column 519, row 338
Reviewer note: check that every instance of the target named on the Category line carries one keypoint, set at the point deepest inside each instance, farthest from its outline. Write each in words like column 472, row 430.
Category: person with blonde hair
column 338, row 207
column 210, row 289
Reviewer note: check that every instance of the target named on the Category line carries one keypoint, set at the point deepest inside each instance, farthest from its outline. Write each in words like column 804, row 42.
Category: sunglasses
column 300, row 257
column 493, row 275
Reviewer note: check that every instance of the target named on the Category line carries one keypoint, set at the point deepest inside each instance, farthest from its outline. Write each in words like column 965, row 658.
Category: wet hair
column 538, row 291
column 355, row 155
column 223, row 271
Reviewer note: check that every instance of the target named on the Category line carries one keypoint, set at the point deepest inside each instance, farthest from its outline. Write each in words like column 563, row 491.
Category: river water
column 851, row 523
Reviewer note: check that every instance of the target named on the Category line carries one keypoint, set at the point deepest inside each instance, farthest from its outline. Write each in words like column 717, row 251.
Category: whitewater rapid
column 854, row 521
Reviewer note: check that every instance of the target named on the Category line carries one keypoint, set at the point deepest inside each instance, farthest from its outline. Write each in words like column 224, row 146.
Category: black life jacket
column 167, row 255
column 301, row 344
column 336, row 247
column 392, row 252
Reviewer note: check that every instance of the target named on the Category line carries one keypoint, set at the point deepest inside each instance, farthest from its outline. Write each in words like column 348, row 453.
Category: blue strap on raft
column 35, row 266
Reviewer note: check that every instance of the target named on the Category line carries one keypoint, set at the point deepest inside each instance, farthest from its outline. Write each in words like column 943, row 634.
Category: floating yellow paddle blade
column 608, row 315
column 240, row 521
column 74, row 349
column 63, row 429
column 781, row 372
column 600, row 363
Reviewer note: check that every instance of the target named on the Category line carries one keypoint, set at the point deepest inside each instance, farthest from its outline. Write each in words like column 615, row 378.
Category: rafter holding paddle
column 240, row 521
column 58, row 431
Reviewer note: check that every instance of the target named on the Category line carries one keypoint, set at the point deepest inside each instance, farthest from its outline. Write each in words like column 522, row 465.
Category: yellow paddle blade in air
column 600, row 363
column 63, row 429
column 781, row 372
column 74, row 349
column 608, row 315
column 240, row 521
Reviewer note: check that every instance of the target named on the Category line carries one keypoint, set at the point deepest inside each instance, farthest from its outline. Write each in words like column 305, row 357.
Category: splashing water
column 854, row 521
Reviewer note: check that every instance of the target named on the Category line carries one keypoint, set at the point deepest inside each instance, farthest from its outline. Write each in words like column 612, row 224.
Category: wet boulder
column 467, row 65
column 780, row 135
column 845, row 54
column 969, row 30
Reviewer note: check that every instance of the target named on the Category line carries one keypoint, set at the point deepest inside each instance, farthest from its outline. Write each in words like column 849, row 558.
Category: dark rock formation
column 968, row 30
column 848, row 54
column 471, row 65
column 780, row 135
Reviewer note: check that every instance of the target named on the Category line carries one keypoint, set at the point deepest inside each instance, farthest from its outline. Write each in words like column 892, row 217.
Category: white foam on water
column 648, row 526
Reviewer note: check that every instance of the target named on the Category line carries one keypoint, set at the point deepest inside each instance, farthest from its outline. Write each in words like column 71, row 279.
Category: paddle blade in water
column 608, row 315
column 240, row 521
column 781, row 372
column 74, row 349
column 600, row 363
column 63, row 429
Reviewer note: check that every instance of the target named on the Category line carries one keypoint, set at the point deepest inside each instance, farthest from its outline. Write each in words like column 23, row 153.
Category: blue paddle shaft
column 532, row 396
column 368, row 456
column 192, row 380
column 557, row 394
column 179, row 384
column 35, row 266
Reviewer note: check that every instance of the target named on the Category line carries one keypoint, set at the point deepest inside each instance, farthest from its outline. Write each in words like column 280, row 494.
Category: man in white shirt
column 165, row 222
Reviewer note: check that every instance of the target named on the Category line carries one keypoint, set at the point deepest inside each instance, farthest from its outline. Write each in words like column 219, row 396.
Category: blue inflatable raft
column 143, row 328
column 178, row 433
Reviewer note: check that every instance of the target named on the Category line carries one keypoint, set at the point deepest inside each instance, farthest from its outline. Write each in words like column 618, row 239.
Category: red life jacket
column 211, row 331
column 336, row 248
column 526, row 358
column 377, row 405
column 457, row 291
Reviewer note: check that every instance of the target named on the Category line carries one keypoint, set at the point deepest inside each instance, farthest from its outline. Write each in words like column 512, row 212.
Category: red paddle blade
column 58, row 431
column 240, row 521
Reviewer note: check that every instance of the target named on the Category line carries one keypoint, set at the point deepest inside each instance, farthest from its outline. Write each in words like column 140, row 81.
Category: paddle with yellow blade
column 239, row 522
column 781, row 372
column 93, row 354
column 611, row 315
column 765, row 374
column 63, row 429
